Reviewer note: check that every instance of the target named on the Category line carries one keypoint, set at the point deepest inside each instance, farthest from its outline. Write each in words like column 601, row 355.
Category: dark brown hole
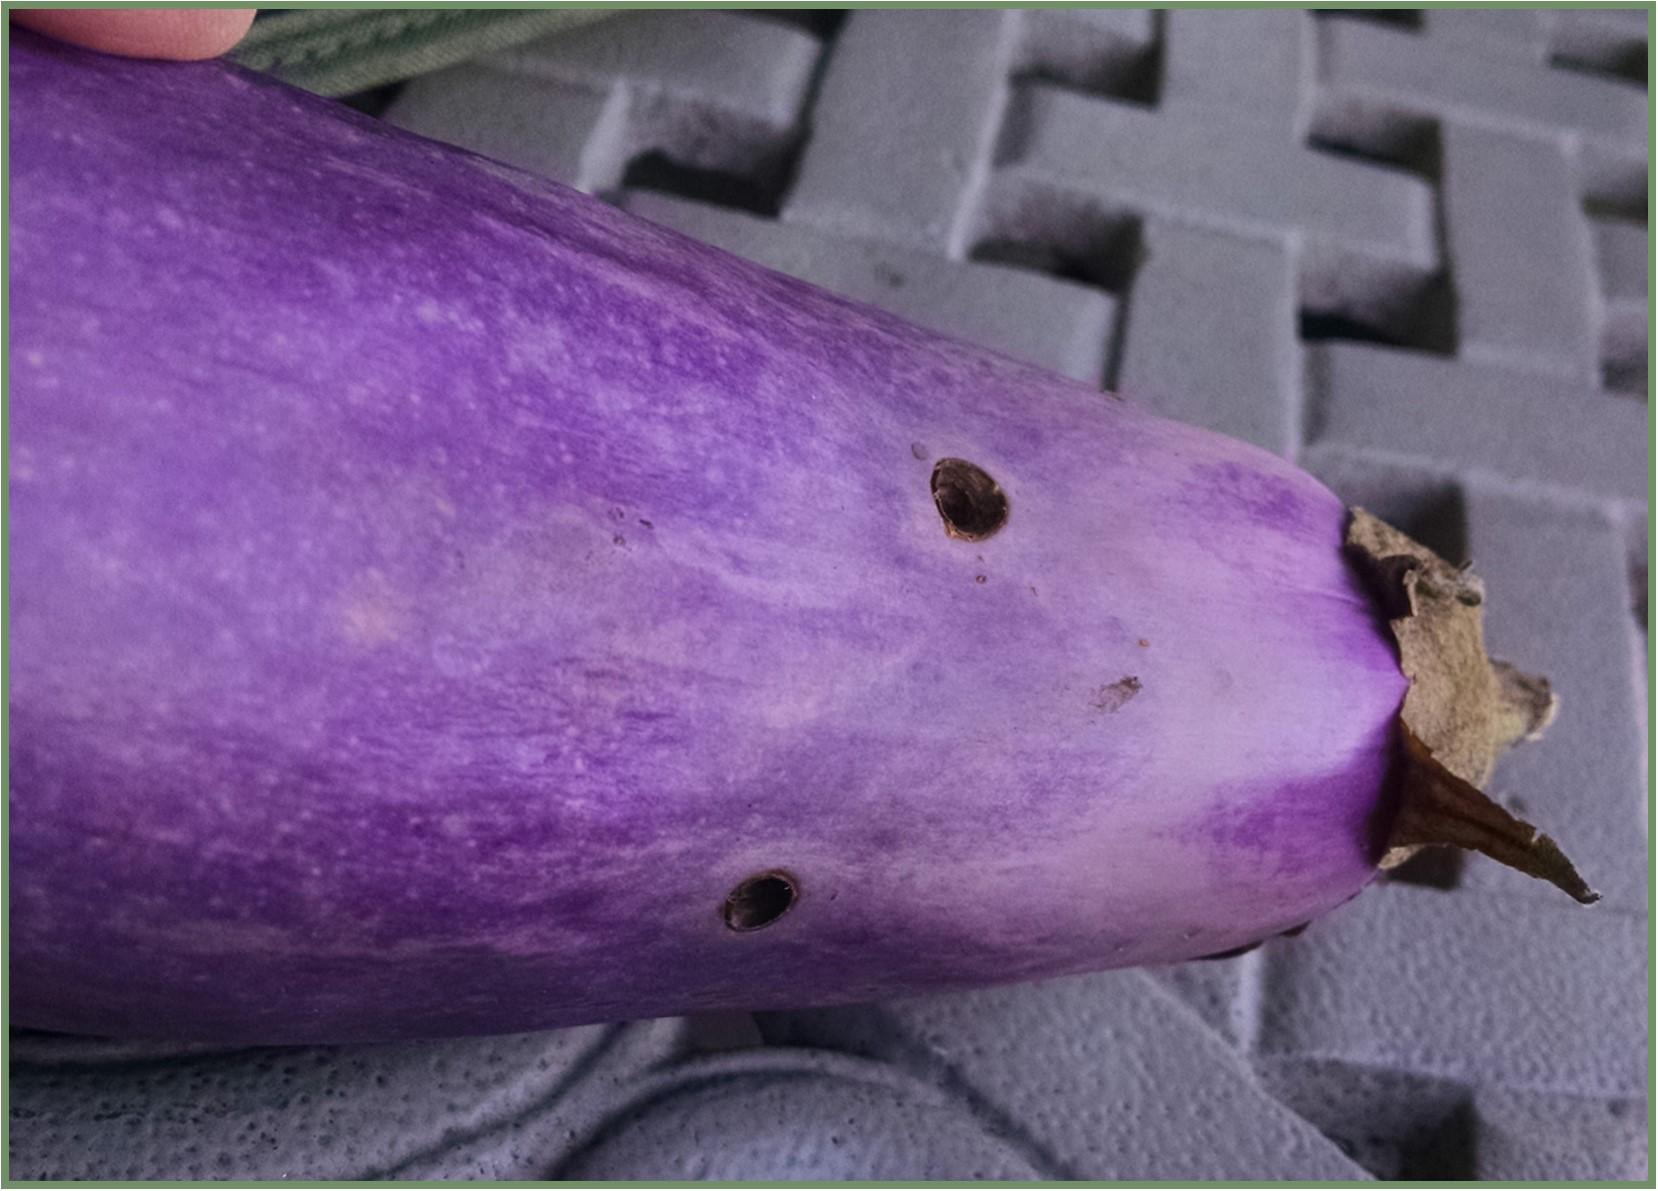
column 971, row 503
column 759, row 901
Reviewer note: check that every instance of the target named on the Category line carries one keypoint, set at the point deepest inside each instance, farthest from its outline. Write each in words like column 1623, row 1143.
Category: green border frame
column 1652, row 583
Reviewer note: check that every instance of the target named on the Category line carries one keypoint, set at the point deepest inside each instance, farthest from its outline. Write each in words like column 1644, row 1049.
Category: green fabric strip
column 337, row 51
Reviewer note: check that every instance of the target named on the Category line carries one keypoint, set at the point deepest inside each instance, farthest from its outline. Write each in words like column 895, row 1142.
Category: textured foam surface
column 1409, row 251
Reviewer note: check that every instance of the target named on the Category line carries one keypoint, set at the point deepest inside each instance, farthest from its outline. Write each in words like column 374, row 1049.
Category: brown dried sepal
column 1461, row 710
column 1438, row 807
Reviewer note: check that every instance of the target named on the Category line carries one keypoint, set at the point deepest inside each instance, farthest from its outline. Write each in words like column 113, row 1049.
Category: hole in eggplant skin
column 759, row 901
column 971, row 503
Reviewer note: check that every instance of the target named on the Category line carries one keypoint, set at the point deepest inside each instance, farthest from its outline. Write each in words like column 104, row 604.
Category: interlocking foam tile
column 1408, row 250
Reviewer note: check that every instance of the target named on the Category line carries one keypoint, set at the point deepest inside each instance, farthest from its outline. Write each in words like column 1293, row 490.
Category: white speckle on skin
column 169, row 218
column 453, row 659
column 434, row 314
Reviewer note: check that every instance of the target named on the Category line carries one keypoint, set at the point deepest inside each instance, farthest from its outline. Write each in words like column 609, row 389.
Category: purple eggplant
column 441, row 603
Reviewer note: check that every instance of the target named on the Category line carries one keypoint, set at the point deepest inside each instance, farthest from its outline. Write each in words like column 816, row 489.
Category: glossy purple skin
column 432, row 590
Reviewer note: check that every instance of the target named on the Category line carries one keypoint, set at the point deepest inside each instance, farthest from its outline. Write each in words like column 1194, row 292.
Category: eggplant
column 442, row 603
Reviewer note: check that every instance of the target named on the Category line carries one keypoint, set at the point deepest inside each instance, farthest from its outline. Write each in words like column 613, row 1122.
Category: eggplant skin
column 434, row 593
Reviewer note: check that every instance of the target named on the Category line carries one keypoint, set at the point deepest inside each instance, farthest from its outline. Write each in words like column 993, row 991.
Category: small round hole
column 759, row 901
column 972, row 504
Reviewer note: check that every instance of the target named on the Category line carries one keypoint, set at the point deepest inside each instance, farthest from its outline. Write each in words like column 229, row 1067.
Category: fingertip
column 182, row 34
column 216, row 31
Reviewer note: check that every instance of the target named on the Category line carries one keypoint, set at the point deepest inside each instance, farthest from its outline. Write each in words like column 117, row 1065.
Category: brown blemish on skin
column 1114, row 695
column 1143, row 643
column 980, row 578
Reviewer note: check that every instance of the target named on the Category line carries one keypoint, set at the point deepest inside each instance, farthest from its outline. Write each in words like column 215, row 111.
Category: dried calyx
column 1462, row 710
